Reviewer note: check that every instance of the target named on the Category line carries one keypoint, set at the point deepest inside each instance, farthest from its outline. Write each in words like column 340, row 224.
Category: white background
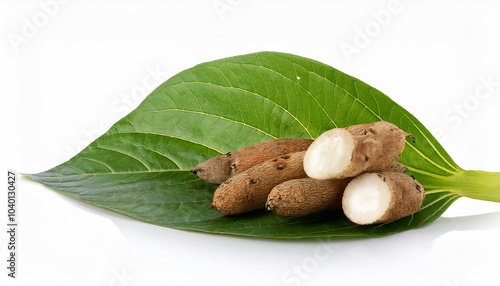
column 70, row 69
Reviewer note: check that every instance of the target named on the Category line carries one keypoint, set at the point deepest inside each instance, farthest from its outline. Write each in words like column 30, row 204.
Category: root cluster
column 353, row 170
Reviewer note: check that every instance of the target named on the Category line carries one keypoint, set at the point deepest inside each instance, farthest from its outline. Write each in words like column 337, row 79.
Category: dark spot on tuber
column 413, row 139
column 281, row 167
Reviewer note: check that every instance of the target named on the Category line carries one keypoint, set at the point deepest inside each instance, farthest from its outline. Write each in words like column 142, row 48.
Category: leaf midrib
column 115, row 173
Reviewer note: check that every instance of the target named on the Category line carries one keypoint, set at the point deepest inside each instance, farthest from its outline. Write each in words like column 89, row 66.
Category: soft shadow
column 179, row 247
column 429, row 232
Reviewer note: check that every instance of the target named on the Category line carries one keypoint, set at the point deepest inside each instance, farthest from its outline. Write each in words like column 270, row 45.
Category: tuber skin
column 348, row 152
column 301, row 197
column 220, row 168
column 374, row 198
column 395, row 167
column 249, row 190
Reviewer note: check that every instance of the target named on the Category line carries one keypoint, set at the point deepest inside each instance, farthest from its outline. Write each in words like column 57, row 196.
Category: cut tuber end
column 329, row 155
column 366, row 199
column 382, row 197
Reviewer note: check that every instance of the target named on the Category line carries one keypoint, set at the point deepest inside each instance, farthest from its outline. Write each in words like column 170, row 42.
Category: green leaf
column 140, row 167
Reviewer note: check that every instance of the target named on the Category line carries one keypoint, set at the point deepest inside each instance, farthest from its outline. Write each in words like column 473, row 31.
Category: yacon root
column 301, row 197
column 348, row 152
column 248, row 190
column 220, row 168
column 382, row 197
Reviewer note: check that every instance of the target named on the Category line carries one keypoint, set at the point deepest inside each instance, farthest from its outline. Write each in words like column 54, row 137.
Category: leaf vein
column 126, row 154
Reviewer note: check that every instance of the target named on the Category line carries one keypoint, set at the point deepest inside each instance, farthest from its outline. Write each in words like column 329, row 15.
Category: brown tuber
column 352, row 169
column 301, row 197
column 249, row 190
column 220, row 168
column 383, row 197
column 348, row 152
